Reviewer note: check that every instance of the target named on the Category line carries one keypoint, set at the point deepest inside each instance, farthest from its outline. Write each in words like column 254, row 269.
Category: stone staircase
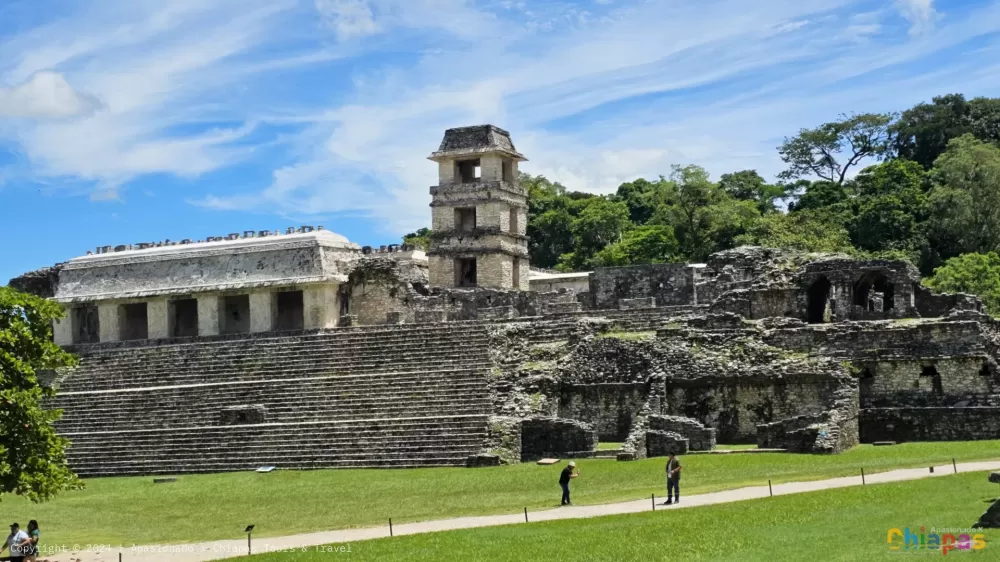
column 557, row 327
column 399, row 396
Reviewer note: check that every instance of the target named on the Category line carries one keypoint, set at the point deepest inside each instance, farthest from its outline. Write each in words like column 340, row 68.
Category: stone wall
column 735, row 406
column 699, row 437
column 610, row 408
column 554, row 437
column 662, row 443
column 962, row 381
column 930, row 424
column 669, row 283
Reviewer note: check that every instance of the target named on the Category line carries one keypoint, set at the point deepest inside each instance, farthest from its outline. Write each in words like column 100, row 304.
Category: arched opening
column 874, row 292
column 818, row 308
column 986, row 371
column 931, row 372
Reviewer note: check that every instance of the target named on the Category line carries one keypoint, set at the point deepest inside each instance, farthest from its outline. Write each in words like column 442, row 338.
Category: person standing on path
column 15, row 543
column 564, row 478
column 673, row 479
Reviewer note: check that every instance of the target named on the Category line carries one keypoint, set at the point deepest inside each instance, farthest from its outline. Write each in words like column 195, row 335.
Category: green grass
column 843, row 524
column 206, row 507
column 631, row 336
column 735, row 447
column 601, row 446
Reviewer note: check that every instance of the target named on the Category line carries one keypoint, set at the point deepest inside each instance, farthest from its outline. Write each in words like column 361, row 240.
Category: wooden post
column 526, row 515
column 862, row 476
column 390, row 526
column 769, row 488
column 652, row 500
column 953, row 465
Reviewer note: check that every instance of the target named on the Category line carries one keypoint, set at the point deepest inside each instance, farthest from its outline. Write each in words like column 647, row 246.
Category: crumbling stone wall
column 555, row 437
column 699, row 437
column 611, row 407
column 668, row 283
column 661, row 443
column 930, row 424
column 962, row 381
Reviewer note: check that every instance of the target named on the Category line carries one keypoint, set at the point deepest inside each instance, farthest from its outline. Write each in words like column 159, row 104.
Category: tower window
column 469, row 170
column 465, row 272
column 465, row 219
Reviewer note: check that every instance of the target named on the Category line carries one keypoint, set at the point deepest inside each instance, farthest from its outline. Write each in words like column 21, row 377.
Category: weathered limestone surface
column 699, row 437
column 661, row 443
column 555, row 437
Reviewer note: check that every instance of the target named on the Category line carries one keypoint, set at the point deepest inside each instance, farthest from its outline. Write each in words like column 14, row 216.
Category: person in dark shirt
column 564, row 478
column 673, row 479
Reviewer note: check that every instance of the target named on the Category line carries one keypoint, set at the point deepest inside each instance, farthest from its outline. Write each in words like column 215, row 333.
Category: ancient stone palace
column 300, row 349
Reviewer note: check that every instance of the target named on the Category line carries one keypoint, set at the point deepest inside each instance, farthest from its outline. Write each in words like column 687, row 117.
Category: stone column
column 208, row 315
column 108, row 318
column 62, row 330
column 157, row 319
column 321, row 306
column 261, row 311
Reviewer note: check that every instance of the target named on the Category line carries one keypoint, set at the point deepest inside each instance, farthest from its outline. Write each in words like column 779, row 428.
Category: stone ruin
column 303, row 350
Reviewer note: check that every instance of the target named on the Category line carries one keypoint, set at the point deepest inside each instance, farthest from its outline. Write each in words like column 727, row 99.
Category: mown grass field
column 219, row 506
column 849, row 524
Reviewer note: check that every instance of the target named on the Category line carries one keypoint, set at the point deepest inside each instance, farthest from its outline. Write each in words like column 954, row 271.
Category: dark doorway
column 290, row 309
column 931, row 372
column 469, row 171
column 235, row 315
column 86, row 325
column 874, row 293
column 465, row 272
column 134, row 322
column 183, row 318
column 818, row 308
column 865, row 384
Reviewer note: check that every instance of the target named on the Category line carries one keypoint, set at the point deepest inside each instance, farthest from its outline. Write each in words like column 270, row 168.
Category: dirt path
column 217, row 550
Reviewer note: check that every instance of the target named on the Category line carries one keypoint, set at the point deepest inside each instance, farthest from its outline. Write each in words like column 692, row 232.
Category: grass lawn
column 845, row 524
column 219, row 506
column 602, row 446
column 734, row 447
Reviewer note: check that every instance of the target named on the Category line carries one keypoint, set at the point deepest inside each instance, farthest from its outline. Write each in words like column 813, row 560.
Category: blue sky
column 125, row 122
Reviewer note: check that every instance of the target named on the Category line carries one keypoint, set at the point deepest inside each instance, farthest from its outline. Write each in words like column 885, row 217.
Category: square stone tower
column 479, row 212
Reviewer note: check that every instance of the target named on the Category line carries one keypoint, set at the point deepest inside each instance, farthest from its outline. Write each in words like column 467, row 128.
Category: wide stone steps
column 285, row 414
column 364, row 397
column 441, row 441
column 86, row 378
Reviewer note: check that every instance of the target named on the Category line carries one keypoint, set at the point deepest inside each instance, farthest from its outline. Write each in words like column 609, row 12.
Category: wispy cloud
column 920, row 13
column 46, row 95
column 327, row 108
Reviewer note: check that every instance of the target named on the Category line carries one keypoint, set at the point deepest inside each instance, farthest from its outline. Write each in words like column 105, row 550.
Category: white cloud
column 920, row 13
column 593, row 99
column 349, row 18
column 46, row 95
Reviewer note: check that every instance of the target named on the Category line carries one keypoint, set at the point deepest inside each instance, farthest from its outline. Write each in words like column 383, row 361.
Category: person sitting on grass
column 15, row 542
column 564, row 478
column 673, row 479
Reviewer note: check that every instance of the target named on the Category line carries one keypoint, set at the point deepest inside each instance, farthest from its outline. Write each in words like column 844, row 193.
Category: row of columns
column 320, row 310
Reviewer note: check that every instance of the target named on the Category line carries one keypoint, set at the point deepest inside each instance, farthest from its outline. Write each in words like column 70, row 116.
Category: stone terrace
column 397, row 396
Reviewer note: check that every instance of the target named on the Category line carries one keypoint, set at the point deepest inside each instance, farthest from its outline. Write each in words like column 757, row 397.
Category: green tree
column 600, row 222
column 747, row 185
column 922, row 133
column 643, row 197
column 977, row 274
column 890, row 204
column 32, row 457
column 807, row 231
column 550, row 236
column 965, row 199
column 832, row 149
column 644, row 244
column 420, row 238
column 690, row 211
column 984, row 117
column 818, row 195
